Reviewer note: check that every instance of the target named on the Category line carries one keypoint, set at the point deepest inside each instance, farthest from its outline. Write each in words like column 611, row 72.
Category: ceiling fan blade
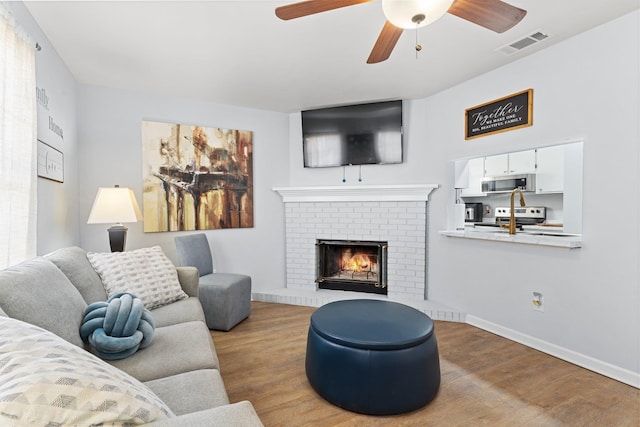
column 310, row 7
column 386, row 42
column 495, row 15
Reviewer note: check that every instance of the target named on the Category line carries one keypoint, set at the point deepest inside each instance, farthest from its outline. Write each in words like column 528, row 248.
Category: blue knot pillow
column 118, row 327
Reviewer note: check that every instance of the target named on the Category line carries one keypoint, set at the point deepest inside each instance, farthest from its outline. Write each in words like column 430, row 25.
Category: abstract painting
column 196, row 178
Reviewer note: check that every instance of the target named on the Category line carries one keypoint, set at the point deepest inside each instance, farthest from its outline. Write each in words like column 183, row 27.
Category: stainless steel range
column 527, row 215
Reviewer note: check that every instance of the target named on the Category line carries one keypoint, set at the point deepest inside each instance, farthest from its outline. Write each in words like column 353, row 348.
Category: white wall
column 109, row 123
column 584, row 88
column 58, row 220
column 591, row 294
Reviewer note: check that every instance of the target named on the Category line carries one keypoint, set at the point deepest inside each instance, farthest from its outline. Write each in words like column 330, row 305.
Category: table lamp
column 115, row 205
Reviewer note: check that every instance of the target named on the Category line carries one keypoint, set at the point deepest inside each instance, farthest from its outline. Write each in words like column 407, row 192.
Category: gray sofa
column 180, row 366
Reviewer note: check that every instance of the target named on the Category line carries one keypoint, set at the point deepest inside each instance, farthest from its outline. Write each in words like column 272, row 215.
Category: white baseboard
column 619, row 374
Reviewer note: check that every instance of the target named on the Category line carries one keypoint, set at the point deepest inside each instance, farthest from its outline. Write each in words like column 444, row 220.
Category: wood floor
column 486, row 380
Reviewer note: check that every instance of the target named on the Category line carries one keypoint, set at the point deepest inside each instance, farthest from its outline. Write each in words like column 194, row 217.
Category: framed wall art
column 50, row 162
column 196, row 178
column 511, row 112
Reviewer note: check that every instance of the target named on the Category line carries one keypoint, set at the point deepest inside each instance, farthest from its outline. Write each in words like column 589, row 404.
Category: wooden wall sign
column 508, row 113
column 50, row 162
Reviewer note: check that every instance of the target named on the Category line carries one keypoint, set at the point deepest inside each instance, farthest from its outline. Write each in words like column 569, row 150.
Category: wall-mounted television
column 362, row 134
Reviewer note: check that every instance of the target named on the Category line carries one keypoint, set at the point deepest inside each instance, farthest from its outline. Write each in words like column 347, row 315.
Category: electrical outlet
column 538, row 301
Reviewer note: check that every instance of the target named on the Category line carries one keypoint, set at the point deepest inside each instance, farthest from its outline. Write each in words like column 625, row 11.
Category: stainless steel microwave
column 508, row 183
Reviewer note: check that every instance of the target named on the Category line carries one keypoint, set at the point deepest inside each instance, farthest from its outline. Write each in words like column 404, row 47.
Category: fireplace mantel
column 357, row 193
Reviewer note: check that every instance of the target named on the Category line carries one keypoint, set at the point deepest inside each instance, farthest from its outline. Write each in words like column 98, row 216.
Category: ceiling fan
column 494, row 15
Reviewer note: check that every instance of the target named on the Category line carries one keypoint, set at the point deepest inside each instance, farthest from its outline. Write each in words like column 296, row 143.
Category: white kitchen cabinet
column 522, row 162
column 461, row 173
column 510, row 164
column 496, row 165
column 550, row 171
column 475, row 170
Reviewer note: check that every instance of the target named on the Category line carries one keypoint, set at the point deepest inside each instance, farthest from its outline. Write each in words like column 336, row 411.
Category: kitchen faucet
column 512, row 218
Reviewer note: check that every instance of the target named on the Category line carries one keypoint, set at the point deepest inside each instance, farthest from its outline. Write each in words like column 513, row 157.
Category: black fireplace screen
column 352, row 265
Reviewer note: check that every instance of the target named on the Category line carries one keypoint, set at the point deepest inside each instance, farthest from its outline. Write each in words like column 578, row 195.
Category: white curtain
column 18, row 154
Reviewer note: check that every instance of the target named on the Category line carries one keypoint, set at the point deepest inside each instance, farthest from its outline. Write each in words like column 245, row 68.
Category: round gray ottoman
column 373, row 356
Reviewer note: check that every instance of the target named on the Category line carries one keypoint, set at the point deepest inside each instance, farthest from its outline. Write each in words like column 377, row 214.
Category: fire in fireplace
column 352, row 265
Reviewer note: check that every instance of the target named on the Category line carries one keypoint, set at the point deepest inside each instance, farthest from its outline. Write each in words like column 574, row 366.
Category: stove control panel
column 534, row 212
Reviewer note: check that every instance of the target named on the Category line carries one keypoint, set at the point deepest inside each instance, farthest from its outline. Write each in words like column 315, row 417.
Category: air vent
column 523, row 43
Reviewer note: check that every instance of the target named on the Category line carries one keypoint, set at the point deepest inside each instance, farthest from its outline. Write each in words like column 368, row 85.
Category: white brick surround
column 396, row 214
column 393, row 213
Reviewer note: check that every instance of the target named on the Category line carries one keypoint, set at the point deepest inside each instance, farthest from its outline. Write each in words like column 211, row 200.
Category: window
column 18, row 196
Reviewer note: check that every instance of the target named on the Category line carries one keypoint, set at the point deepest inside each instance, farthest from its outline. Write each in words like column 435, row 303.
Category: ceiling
column 239, row 53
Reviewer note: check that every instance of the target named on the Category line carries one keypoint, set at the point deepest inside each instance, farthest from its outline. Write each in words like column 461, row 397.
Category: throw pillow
column 45, row 380
column 146, row 273
column 118, row 327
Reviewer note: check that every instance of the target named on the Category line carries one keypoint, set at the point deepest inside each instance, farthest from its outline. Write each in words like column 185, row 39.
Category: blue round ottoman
column 372, row 356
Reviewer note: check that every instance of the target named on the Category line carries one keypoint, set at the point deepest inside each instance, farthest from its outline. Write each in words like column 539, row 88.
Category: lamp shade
column 414, row 13
column 114, row 205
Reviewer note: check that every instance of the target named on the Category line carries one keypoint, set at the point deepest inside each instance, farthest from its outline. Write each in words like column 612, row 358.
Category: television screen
column 363, row 134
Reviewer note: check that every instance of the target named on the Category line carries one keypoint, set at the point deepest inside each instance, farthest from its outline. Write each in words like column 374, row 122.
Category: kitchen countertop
column 533, row 236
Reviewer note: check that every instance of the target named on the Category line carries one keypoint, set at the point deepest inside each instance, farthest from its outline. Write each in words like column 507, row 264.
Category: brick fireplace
column 395, row 214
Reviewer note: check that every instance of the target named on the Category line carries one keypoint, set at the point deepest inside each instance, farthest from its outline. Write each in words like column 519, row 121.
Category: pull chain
column 418, row 46
column 418, row 19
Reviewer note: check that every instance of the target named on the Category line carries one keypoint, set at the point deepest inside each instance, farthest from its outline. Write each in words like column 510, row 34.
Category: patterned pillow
column 45, row 380
column 147, row 273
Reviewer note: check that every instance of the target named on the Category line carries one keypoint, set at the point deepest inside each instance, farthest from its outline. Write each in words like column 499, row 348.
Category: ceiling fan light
column 401, row 13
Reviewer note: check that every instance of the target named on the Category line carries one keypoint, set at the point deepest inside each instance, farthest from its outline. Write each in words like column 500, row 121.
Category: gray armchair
column 225, row 297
